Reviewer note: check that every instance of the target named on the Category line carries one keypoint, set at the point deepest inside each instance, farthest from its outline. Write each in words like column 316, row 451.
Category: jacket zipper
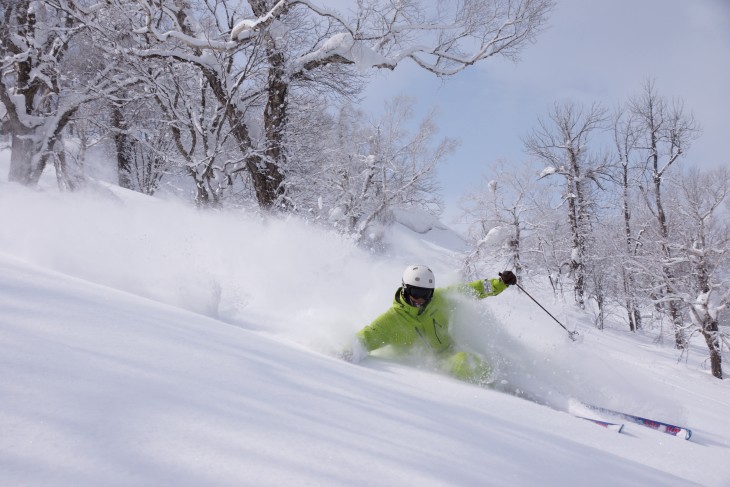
column 436, row 333
column 423, row 337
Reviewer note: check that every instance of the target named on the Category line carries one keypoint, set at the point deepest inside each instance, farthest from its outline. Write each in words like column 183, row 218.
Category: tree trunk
column 710, row 329
column 515, row 248
column 268, row 180
column 632, row 309
column 275, row 118
column 21, row 156
column 577, row 266
column 265, row 175
column 711, row 334
column 629, row 283
column 680, row 341
column 67, row 176
column 122, row 146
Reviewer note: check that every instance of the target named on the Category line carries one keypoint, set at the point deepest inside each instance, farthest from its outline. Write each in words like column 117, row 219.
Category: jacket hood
column 403, row 303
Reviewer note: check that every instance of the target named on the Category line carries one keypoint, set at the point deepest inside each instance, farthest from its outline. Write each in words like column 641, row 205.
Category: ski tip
column 678, row 431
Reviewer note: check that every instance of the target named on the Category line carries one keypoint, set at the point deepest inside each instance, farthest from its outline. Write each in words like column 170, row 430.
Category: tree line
column 251, row 100
column 604, row 209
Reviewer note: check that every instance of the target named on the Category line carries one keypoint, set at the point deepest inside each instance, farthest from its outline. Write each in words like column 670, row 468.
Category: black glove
column 508, row 278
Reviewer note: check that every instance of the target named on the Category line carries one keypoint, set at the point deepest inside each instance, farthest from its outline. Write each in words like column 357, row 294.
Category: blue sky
column 593, row 50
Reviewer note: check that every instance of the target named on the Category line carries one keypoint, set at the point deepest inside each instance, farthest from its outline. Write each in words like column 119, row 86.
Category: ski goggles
column 419, row 292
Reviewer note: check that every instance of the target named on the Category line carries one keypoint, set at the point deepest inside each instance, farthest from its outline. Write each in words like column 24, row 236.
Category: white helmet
column 419, row 276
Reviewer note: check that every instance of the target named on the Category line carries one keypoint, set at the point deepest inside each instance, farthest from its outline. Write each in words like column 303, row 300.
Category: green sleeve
column 488, row 287
column 379, row 333
column 481, row 289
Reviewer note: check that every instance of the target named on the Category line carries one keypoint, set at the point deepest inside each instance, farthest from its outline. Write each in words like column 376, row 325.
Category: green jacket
column 404, row 326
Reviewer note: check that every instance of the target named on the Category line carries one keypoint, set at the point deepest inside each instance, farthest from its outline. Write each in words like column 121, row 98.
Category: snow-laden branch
column 207, row 59
column 444, row 46
column 187, row 39
column 246, row 28
column 195, row 42
column 340, row 48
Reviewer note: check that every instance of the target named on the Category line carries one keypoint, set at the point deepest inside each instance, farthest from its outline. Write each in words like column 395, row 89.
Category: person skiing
column 419, row 316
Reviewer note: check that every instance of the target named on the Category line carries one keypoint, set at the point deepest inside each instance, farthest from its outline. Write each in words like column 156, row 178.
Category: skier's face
column 418, row 296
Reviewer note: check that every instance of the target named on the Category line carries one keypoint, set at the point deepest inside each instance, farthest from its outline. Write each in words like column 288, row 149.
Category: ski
column 670, row 429
column 617, row 427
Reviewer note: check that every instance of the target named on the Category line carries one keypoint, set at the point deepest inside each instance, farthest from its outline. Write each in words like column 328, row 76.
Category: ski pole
column 571, row 334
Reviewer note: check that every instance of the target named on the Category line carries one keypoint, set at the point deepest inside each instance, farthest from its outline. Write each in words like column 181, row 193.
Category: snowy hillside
column 146, row 343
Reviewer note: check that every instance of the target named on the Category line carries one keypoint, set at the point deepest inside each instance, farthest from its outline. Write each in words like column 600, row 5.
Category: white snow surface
column 147, row 343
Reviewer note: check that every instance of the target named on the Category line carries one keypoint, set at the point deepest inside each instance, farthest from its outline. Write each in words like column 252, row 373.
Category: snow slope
column 145, row 343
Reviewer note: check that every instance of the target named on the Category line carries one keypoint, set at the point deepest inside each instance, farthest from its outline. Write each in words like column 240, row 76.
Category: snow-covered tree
column 626, row 175
column 562, row 143
column 662, row 133
column 704, row 248
column 353, row 169
column 253, row 59
column 255, row 55
column 44, row 80
column 199, row 127
column 500, row 214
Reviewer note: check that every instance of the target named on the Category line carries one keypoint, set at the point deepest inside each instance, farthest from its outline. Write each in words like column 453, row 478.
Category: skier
column 420, row 316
